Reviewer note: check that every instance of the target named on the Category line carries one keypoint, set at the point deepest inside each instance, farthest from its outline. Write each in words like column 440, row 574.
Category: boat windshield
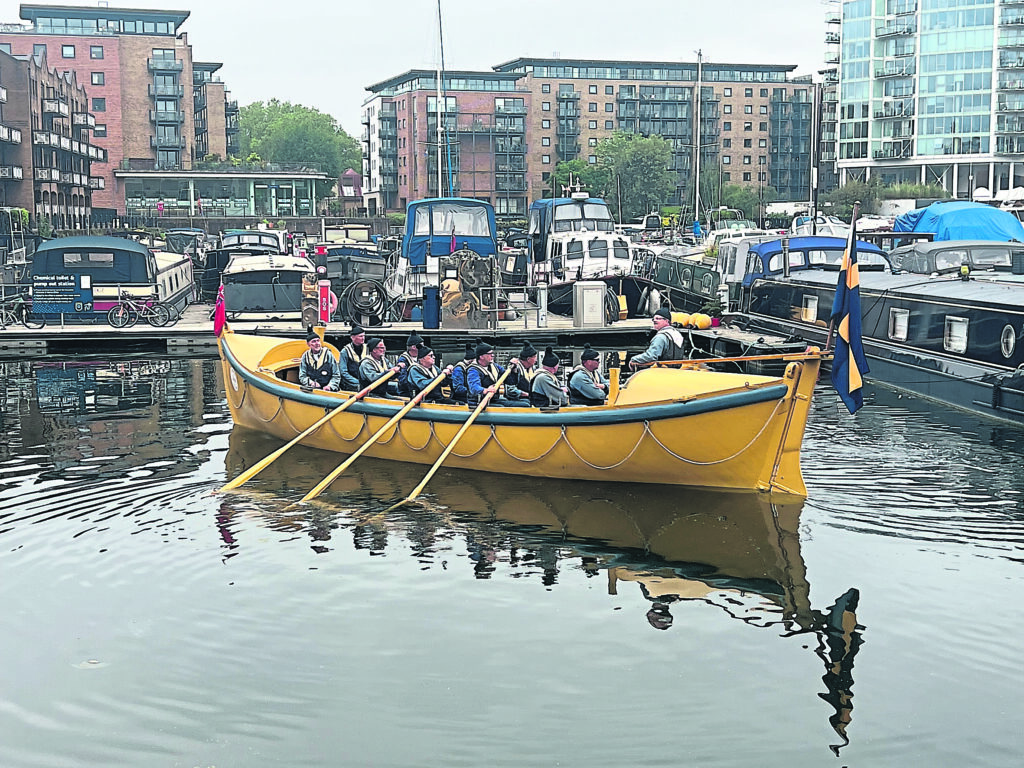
column 823, row 257
column 576, row 216
column 452, row 218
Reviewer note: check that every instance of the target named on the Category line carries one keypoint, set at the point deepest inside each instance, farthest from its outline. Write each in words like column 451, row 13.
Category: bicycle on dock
column 129, row 310
column 17, row 309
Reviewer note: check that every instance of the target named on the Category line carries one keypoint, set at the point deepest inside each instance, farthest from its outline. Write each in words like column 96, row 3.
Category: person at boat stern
column 318, row 368
column 352, row 354
column 373, row 367
column 482, row 377
column 424, row 371
column 668, row 342
column 517, row 385
column 409, row 357
column 587, row 385
column 545, row 389
column 459, row 391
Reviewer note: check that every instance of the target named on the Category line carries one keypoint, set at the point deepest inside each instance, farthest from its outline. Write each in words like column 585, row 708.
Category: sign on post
column 61, row 294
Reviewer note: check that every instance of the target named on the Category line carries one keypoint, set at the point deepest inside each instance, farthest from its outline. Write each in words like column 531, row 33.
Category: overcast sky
column 324, row 53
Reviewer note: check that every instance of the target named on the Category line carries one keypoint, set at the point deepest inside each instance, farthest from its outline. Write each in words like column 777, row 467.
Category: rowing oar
column 454, row 441
column 373, row 439
column 250, row 473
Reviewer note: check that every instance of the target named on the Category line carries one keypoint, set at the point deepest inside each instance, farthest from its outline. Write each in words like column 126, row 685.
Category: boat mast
column 440, row 102
column 696, row 141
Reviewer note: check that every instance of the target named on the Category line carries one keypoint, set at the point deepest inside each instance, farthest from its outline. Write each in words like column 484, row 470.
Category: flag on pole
column 453, row 248
column 849, row 364
column 220, row 315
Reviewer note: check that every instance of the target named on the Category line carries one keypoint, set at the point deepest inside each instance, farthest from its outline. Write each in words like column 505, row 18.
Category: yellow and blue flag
column 849, row 364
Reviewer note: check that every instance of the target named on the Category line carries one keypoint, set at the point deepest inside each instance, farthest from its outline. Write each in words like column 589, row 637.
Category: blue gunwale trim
column 501, row 417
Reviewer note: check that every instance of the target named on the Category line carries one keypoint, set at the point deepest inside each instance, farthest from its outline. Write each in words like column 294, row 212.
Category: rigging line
column 685, row 460
column 258, row 415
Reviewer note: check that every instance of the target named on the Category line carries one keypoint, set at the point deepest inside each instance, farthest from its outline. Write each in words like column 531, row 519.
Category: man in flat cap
column 587, row 386
column 668, row 343
column 318, row 368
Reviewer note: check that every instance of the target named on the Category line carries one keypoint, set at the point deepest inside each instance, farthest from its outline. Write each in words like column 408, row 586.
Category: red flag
column 220, row 315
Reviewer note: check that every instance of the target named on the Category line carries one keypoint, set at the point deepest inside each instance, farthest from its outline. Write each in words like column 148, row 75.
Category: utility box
column 588, row 304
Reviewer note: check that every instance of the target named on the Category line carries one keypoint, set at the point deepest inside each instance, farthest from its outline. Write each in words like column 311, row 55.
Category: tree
column 282, row 132
column 638, row 169
column 591, row 177
column 851, row 192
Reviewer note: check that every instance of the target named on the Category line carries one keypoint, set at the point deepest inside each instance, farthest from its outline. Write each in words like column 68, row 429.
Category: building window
column 95, row 51
column 762, row 142
column 726, row 176
column 746, row 177
column 747, row 160
column 748, row 143
column 99, row 105
column 98, row 78
column 762, row 126
column 6, row 48
column 748, row 109
column 545, row 123
column 748, row 92
column 545, row 141
column 592, row 125
column 727, row 126
column 592, row 159
column 545, row 88
column 764, row 93
column 726, row 143
column 609, row 107
column 39, row 49
column 748, row 126
column 609, row 125
column 593, row 89
column 545, row 106
column 609, row 90
column 592, row 141
column 727, row 91
column 100, row 131
column 546, row 159
column 727, row 109
column 726, row 160
column 763, row 109
column 592, row 106
column 67, row 51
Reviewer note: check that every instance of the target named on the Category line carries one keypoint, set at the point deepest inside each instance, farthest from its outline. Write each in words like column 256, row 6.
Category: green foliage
column 45, row 228
column 592, row 178
column 912, row 192
column 638, row 169
column 748, row 199
column 843, row 199
column 396, row 219
column 713, row 307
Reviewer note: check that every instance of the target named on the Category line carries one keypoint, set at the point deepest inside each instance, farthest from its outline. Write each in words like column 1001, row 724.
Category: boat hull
column 745, row 435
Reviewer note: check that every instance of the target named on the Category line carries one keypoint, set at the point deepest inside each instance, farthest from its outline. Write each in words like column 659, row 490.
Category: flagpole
column 845, row 266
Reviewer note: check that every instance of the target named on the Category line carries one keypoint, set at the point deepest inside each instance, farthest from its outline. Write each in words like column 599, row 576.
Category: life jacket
column 521, row 376
column 381, row 366
column 404, row 387
column 578, row 398
column 488, row 378
column 431, row 374
column 539, row 399
column 678, row 348
column 320, row 368
column 459, row 388
column 353, row 358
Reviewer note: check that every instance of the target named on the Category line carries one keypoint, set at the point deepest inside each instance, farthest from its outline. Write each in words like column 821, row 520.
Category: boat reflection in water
column 737, row 551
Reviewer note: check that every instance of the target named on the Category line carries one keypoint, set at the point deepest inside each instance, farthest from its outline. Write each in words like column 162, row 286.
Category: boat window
column 91, row 259
column 685, row 276
column 990, row 256
column 809, row 309
column 832, row 256
column 753, row 264
column 1008, row 341
column 796, row 259
column 574, row 249
column 955, row 337
column 899, row 323
column 534, row 227
column 707, row 283
column 599, row 249
column 452, row 218
column 620, row 249
column 949, row 260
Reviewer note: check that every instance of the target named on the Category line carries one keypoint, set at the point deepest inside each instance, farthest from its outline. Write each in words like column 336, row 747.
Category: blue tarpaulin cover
column 962, row 220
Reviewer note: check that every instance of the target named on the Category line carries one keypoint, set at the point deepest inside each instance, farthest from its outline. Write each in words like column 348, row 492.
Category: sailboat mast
column 440, row 103
column 696, row 140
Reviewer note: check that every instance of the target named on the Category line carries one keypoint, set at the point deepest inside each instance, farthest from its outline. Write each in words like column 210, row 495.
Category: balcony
column 83, row 120
column 47, row 174
column 1010, row 105
column 1015, row 19
column 510, row 109
column 509, row 148
column 10, row 135
column 230, row 106
column 1010, row 84
column 166, row 116
column 510, row 185
column 512, row 165
column 830, row 77
column 895, row 68
column 166, row 90
column 1010, row 145
column 891, row 110
column 1012, row 40
column 568, row 112
column 96, row 153
column 833, row 38
column 167, row 142
column 45, row 138
column 568, row 130
column 896, row 28
column 11, row 172
column 165, row 64
column 97, row 182
column 568, row 95
column 901, row 8
column 1011, row 62
column 832, row 58
column 56, row 107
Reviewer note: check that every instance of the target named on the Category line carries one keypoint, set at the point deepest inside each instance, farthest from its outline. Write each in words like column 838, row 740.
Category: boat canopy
column 949, row 255
column 962, row 220
column 812, row 252
column 431, row 226
column 105, row 259
column 566, row 214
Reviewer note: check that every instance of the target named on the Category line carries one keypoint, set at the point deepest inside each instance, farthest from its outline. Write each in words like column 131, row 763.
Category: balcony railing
column 513, row 109
column 165, row 64
column 166, row 90
column 1014, row 19
column 231, row 105
column 1010, row 84
column 55, row 107
column 896, row 68
column 166, row 116
column 83, row 120
column 167, row 142
column 11, row 172
column 97, row 182
column 47, row 174
column 10, row 135
column 893, row 28
column 568, row 95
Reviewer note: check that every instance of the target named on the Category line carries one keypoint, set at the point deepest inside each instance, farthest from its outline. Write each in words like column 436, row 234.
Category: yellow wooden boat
column 679, row 426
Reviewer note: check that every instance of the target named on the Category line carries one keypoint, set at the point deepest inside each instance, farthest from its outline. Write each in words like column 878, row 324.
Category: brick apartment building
column 505, row 130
